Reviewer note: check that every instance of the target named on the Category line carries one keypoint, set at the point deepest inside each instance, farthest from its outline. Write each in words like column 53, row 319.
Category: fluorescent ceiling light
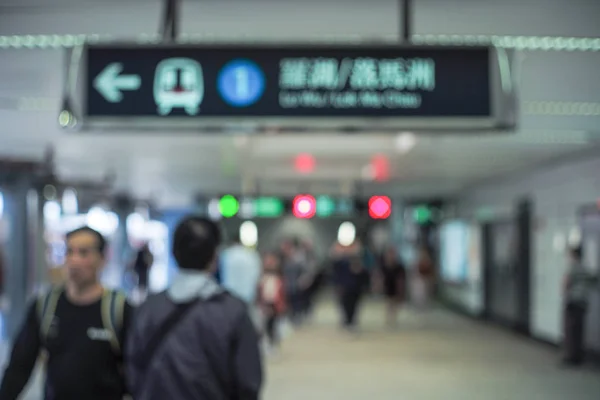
column 346, row 233
column 405, row 141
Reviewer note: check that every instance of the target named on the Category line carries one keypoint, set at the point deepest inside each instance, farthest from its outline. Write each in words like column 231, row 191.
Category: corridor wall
column 557, row 192
column 462, row 289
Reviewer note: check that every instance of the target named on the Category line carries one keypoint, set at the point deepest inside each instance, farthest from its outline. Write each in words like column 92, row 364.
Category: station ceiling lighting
column 49, row 192
column 304, row 163
column 304, row 206
column 380, row 207
column 69, row 200
column 346, row 233
column 248, row 234
column 381, row 168
column 404, row 142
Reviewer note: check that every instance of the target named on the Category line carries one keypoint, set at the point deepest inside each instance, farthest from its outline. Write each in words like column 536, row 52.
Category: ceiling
column 559, row 91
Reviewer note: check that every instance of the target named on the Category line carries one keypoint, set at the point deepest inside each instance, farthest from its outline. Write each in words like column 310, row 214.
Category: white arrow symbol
column 109, row 83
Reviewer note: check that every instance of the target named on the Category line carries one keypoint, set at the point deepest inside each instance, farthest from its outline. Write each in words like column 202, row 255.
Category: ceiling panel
column 320, row 144
column 288, row 19
column 511, row 17
column 172, row 166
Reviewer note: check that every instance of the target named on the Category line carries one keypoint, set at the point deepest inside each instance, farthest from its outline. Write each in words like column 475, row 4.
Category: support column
column 20, row 253
column 524, row 227
column 123, row 207
column 38, row 232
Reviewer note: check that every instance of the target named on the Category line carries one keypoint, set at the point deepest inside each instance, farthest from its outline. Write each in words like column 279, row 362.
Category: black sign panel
column 209, row 82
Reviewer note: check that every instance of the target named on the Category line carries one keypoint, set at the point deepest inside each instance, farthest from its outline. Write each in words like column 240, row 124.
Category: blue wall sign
column 241, row 83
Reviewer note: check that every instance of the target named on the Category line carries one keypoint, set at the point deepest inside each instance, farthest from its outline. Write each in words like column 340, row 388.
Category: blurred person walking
column 350, row 278
column 391, row 275
column 424, row 278
column 294, row 264
column 80, row 327
column 579, row 283
column 240, row 271
column 142, row 264
column 308, row 279
column 272, row 300
column 195, row 340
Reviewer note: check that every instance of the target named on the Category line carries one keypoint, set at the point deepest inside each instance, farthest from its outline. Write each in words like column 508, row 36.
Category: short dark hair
column 100, row 239
column 195, row 242
column 576, row 252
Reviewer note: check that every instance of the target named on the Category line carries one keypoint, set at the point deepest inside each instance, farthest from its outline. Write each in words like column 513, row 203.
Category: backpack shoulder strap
column 162, row 332
column 46, row 308
column 113, row 307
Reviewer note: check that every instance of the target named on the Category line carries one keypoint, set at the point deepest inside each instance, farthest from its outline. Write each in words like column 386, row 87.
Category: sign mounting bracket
column 170, row 21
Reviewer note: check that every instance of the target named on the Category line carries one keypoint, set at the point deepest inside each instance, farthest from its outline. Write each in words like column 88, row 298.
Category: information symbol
column 241, row 83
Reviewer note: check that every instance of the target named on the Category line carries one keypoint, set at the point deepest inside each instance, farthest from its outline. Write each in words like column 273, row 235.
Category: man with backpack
column 79, row 328
column 195, row 340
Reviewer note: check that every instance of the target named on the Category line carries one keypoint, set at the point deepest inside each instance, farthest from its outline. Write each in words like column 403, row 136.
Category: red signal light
column 381, row 167
column 304, row 206
column 304, row 163
column 380, row 207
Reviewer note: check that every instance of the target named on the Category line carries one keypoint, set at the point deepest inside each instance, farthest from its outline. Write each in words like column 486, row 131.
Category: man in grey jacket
column 195, row 341
column 579, row 283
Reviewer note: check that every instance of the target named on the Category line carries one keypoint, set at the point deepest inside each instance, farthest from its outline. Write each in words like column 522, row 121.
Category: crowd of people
column 279, row 285
column 387, row 275
column 200, row 339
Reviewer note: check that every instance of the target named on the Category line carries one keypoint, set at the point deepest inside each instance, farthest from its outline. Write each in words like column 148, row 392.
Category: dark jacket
column 211, row 354
column 579, row 285
column 347, row 277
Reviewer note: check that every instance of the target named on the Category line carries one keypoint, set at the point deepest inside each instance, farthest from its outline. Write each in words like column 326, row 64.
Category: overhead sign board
column 296, row 87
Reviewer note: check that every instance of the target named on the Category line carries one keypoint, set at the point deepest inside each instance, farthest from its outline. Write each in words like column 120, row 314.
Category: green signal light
column 228, row 206
column 422, row 215
column 325, row 206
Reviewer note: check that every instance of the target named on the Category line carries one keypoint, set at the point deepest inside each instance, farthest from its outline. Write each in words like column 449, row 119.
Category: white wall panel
column 557, row 193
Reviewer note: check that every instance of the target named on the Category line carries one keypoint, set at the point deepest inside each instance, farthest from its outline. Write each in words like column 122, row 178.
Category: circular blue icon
column 241, row 83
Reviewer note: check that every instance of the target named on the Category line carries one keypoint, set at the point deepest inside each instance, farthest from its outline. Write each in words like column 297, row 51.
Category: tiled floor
column 431, row 356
